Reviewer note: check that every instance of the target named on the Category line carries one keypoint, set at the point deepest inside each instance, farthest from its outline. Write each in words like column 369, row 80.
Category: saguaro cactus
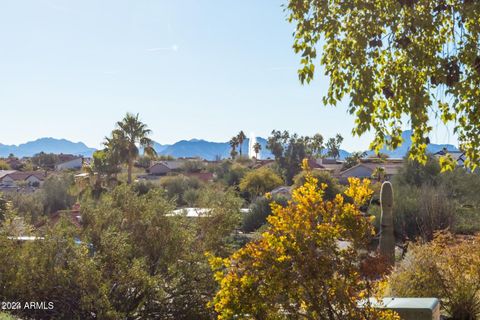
column 387, row 238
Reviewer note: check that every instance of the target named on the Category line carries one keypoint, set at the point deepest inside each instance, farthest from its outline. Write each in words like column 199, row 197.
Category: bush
column 4, row 165
column 260, row 209
column 56, row 192
column 446, row 268
column 333, row 187
column 176, row 186
column 420, row 211
column 28, row 205
column 296, row 269
column 216, row 228
column 230, row 173
column 260, row 181
column 191, row 197
column 54, row 195
column 143, row 162
column 144, row 187
column 427, row 200
column 193, row 166
column 3, row 206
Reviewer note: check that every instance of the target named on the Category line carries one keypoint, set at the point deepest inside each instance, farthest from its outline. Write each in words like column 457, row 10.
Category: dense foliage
column 180, row 188
column 331, row 188
column 396, row 60
column 289, row 150
column 296, row 269
column 259, row 210
column 260, row 181
column 428, row 199
column 447, row 268
column 132, row 259
column 55, row 195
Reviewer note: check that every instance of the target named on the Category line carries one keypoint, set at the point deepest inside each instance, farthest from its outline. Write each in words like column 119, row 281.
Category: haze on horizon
column 195, row 69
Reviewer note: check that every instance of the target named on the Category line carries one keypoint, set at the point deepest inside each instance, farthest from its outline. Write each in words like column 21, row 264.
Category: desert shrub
column 62, row 272
column 230, row 173
column 414, row 173
column 244, row 160
column 140, row 248
column 143, row 162
column 3, row 207
column 143, row 187
column 193, row 166
column 6, row 316
column 420, row 211
column 216, row 228
column 427, row 199
column 259, row 210
column 56, row 192
column 176, row 186
column 4, row 165
column 333, row 187
column 133, row 261
column 446, row 268
column 28, row 205
column 190, row 196
column 260, row 181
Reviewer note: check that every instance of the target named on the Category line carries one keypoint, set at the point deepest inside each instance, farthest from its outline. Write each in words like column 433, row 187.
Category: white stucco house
column 72, row 164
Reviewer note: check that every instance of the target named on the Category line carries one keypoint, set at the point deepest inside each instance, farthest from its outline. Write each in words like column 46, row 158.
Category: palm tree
column 316, row 145
column 257, row 147
column 241, row 137
column 233, row 144
column 129, row 134
column 333, row 146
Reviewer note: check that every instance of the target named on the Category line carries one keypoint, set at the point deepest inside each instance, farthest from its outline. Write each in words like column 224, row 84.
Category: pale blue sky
column 191, row 68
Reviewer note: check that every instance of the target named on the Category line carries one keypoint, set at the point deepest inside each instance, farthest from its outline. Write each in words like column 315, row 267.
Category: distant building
column 71, row 164
column 366, row 170
column 16, row 178
column 162, row 168
column 332, row 166
column 5, row 172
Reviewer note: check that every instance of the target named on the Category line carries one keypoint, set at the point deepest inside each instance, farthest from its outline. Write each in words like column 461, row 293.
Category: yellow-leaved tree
column 297, row 269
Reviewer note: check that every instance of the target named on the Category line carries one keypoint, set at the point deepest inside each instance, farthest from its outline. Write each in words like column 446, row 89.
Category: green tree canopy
column 260, row 181
column 129, row 134
column 397, row 60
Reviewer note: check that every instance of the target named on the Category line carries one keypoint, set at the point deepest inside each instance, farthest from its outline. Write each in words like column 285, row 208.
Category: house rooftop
column 3, row 173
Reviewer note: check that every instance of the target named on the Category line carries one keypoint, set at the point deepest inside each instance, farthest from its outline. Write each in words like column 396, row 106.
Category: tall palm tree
column 241, row 137
column 233, row 144
column 257, row 147
column 333, row 146
column 130, row 134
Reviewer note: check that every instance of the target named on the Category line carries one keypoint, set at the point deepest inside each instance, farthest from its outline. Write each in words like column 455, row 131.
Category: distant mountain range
column 402, row 150
column 186, row 148
column 207, row 149
column 47, row 145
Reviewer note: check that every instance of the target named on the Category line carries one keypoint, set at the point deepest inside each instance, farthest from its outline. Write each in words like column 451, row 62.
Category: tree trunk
column 130, row 168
